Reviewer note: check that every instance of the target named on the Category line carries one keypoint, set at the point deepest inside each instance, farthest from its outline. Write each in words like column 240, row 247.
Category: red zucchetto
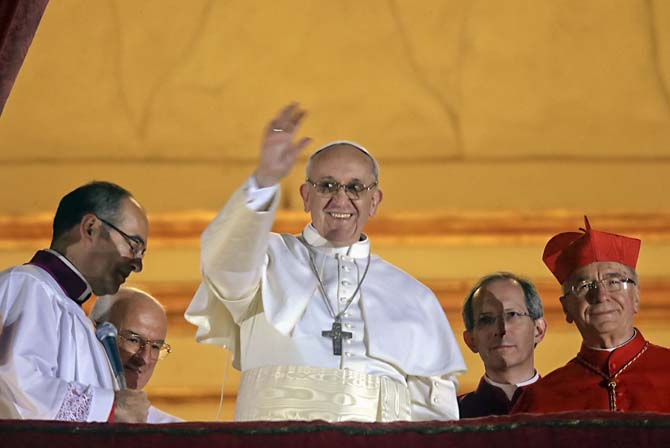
column 566, row 252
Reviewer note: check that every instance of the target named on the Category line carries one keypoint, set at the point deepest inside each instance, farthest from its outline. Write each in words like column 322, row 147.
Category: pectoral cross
column 336, row 334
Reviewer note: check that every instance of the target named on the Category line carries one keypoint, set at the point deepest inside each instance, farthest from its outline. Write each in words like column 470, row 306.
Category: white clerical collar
column 360, row 249
column 509, row 389
column 611, row 349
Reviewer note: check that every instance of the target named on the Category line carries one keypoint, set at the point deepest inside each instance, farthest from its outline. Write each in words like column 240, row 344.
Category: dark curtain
column 18, row 22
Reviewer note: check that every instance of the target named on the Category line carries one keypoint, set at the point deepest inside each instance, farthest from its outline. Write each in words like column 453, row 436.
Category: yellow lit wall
column 496, row 124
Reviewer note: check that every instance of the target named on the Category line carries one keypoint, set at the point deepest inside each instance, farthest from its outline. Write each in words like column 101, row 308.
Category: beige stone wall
column 496, row 124
column 550, row 99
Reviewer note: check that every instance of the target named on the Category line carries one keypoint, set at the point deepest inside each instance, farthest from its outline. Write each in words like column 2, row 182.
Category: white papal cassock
column 51, row 364
column 260, row 299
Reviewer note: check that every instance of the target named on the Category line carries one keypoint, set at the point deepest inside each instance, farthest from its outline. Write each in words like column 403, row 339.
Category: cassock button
column 345, row 283
column 346, row 268
column 435, row 400
column 347, row 354
column 343, row 299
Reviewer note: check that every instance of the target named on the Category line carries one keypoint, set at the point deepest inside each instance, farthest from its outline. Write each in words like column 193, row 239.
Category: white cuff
column 103, row 400
column 259, row 199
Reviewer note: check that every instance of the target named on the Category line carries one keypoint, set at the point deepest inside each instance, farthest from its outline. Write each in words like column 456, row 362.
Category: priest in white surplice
column 52, row 367
column 320, row 327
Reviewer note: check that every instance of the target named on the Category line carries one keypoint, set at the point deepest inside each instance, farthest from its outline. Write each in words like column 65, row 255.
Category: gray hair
column 102, row 309
column 375, row 165
column 532, row 297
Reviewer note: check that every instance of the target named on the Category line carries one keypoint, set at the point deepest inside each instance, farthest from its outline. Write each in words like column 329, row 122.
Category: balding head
column 111, row 307
column 139, row 318
column 342, row 143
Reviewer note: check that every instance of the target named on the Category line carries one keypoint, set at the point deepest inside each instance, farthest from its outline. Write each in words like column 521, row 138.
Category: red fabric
column 643, row 386
column 18, row 22
column 585, row 430
column 110, row 419
column 568, row 251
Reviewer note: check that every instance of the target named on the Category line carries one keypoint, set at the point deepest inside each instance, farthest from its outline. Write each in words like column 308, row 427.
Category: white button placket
column 345, row 279
column 353, row 349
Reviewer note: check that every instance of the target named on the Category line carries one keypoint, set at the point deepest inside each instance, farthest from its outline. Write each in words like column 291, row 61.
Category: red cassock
column 642, row 382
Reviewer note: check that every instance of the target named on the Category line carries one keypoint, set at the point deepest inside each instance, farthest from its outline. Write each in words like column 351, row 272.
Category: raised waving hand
column 280, row 150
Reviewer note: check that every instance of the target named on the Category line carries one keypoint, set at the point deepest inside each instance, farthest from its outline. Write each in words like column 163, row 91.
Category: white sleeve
column 433, row 398
column 259, row 199
column 234, row 245
column 33, row 360
column 233, row 255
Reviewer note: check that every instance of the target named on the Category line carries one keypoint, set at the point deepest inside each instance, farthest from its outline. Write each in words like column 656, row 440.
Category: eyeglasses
column 610, row 284
column 511, row 318
column 353, row 190
column 137, row 245
column 134, row 343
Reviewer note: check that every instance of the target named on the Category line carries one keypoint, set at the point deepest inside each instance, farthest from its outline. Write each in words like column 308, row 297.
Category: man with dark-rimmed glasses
column 142, row 328
column 136, row 244
column 315, row 317
column 616, row 369
column 53, row 367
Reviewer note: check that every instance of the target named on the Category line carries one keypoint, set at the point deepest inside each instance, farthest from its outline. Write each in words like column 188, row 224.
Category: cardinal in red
column 616, row 368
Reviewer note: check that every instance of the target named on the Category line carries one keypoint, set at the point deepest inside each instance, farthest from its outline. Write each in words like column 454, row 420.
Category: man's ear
column 376, row 199
column 88, row 226
column 568, row 318
column 304, row 194
column 540, row 330
column 467, row 337
column 636, row 300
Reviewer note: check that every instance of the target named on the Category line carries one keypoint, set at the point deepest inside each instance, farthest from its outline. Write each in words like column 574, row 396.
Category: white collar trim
column 360, row 249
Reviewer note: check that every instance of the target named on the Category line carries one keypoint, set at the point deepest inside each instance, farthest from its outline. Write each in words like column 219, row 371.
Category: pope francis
column 321, row 328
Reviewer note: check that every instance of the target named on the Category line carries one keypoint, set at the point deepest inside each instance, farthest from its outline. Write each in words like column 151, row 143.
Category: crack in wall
column 141, row 125
column 656, row 54
column 450, row 111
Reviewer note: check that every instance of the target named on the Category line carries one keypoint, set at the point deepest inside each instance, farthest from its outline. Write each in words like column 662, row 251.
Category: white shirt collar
column 360, row 249
column 611, row 349
column 509, row 389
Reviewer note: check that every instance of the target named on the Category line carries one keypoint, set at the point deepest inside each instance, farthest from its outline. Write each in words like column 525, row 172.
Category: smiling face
column 110, row 259
column 338, row 218
column 135, row 313
column 505, row 344
column 604, row 319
